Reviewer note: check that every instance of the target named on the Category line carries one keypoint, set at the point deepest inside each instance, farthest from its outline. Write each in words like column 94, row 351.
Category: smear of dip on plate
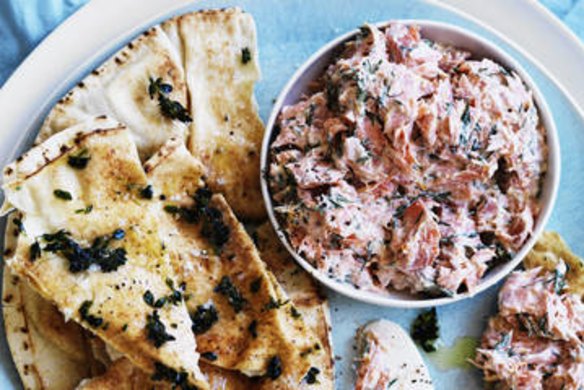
column 413, row 167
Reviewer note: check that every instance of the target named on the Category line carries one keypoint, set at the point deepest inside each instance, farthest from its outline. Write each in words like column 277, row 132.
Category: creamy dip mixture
column 537, row 339
column 412, row 166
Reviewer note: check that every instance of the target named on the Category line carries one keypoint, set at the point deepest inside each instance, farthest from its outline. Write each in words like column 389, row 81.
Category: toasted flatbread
column 548, row 251
column 122, row 374
column 210, row 60
column 221, row 68
column 43, row 346
column 120, row 89
column 228, row 279
column 308, row 299
column 91, row 246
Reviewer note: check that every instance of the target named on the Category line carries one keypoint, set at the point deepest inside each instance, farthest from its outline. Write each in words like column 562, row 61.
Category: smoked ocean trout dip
column 413, row 167
column 536, row 341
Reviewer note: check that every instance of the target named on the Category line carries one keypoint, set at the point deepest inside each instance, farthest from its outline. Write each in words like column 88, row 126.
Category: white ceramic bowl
column 480, row 48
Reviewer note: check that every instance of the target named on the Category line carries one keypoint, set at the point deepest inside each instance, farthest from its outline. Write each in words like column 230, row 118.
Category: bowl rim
column 552, row 178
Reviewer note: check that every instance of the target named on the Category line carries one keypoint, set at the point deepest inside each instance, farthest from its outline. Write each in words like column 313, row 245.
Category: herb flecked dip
column 413, row 167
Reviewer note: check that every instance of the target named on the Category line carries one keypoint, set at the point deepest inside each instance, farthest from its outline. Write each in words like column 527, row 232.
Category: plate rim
column 9, row 129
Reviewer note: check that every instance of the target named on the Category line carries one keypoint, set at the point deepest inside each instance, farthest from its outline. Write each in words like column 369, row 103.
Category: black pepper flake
column 63, row 195
column 274, row 369
column 311, row 375
column 245, row 55
column 156, row 331
column 210, row 356
column 91, row 319
column 294, row 312
column 204, row 317
column 147, row 192
column 234, row 297
column 19, row 226
column 255, row 285
column 35, row 252
column 79, row 160
column 253, row 329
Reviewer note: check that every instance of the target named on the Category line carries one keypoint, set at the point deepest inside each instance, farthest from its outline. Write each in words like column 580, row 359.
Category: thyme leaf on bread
column 169, row 108
column 156, row 331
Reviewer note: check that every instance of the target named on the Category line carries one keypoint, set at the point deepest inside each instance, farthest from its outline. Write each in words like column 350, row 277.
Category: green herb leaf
column 425, row 330
column 274, row 369
column 273, row 304
column 156, row 331
column 177, row 379
column 64, row 195
column 169, row 108
column 234, row 297
column 204, row 317
column 294, row 312
column 92, row 320
column 80, row 258
column 85, row 210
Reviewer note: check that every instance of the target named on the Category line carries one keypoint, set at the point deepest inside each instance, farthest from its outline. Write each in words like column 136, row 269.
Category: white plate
column 102, row 26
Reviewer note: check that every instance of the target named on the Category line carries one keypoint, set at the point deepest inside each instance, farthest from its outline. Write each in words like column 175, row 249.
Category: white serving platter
column 289, row 31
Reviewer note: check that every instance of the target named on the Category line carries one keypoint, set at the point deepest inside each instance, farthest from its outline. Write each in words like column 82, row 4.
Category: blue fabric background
column 24, row 23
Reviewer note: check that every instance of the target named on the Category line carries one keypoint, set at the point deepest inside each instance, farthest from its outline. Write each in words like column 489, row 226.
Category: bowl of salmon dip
column 410, row 164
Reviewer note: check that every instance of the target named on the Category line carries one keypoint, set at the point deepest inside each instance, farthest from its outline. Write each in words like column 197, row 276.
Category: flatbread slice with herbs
column 90, row 244
column 221, row 67
column 308, row 299
column 123, row 375
column 242, row 318
column 42, row 344
column 142, row 86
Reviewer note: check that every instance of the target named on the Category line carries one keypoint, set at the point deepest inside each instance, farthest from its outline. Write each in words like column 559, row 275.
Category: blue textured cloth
column 24, row 23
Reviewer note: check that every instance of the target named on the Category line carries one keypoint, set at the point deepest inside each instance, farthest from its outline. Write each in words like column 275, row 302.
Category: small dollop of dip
column 536, row 341
column 412, row 167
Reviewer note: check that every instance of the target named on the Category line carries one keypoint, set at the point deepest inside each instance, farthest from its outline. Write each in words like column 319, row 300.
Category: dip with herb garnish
column 413, row 167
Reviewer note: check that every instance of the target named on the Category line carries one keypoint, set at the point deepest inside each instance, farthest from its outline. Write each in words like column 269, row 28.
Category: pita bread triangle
column 230, row 290
column 42, row 344
column 190, row 78
column 308, row 298
column 125, row 87
column 90, row 244
column 220, row 58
